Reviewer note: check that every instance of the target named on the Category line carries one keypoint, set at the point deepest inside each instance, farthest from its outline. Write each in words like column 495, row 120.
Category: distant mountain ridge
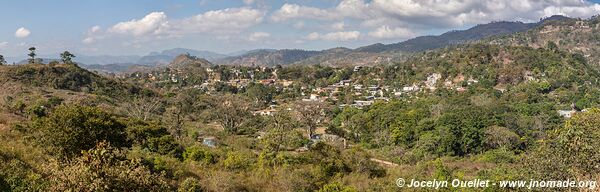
column 450, row 38
column 167, row 56
column 378, row 53
column 366, row 55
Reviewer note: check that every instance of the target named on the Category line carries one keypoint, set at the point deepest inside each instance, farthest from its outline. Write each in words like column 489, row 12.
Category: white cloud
column 291, row 11
column 334, row 36
column 3, row 45
column 338, row 26
column 249, row 2
column 157, row 25
column 299, row 25
column 22, row 33
column 438, row 13
column 89, row 40
column 94, row 29
column 231, row 20
column 257, row 36
column 386, row 32
column 93, row 35
column 150, row 24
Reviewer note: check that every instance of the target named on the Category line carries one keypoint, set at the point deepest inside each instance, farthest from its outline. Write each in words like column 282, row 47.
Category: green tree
column 2, row 60
column 67, row 57
column 68, row 130
column 259, row 93
column 571, row 151
column 552, row 46
column 31, row 55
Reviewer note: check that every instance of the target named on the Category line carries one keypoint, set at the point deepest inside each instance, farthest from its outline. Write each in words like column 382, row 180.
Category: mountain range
column 366, row 55
column 378, row 53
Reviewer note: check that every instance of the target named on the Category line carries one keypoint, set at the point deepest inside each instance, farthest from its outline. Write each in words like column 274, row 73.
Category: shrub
column 238, row 160
column 139, row 132
column 105, row 168
column 70, row 129
column 336, row 187
column 190, row 185
column 199, row 154
column 165, row 145
column 502, row 155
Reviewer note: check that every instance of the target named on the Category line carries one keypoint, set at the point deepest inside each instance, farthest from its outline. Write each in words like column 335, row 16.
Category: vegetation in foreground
column 63, row 128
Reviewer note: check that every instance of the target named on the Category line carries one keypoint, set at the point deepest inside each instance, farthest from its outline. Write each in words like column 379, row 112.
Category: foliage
column 571, row 151
column 164, row 145
column 199, row 154
column 190, row 185
column 105, row 168
column 69, row 129
column 336, row 187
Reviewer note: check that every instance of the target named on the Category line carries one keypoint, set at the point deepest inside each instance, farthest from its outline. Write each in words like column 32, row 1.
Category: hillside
column 473, row 111
column 65, row 77
column 269, row 57
column 379, row 53
column 188, row 61
column 166, row 56
column 451, row 38
column 571, row 35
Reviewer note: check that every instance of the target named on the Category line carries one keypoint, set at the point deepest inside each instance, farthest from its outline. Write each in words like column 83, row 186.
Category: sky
column 128, row 27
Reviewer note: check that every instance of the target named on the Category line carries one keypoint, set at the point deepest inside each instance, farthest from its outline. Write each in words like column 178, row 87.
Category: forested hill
column 571, row 35
column 65, row 77
column 451, row 38
column 504, row 64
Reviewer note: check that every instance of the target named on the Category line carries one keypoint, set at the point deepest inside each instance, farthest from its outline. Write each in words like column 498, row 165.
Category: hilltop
column 166, row 56
column 188, row 61
column 572, row 35
column 65, row 77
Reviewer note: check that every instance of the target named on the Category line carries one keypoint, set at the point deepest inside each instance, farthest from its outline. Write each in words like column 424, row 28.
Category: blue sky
column 122, row 27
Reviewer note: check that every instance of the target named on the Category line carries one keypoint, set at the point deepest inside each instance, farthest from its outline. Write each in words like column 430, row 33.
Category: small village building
column 210, row 141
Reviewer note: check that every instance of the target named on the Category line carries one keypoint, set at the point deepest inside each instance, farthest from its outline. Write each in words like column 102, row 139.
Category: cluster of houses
column 367, row 95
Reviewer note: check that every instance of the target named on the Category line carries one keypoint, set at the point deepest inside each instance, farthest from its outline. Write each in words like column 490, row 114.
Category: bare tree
column 143, row 107
column 279, row 129
column 231, row 111
column 311, row 114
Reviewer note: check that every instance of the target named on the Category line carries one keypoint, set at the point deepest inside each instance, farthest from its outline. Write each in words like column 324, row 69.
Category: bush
column 139, row 132
column 199, row 154
column 17, row 175
column 336, row 187
column 498, row 156
column 105, row 168
column 68, row 130
column 165, row 145
column 190, row 185
column 238, row 160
